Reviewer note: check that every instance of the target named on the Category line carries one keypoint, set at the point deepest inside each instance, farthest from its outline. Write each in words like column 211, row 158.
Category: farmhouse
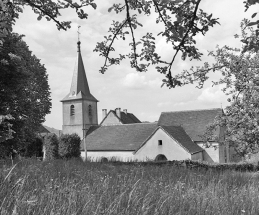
column 176, row 136
column 142, row 142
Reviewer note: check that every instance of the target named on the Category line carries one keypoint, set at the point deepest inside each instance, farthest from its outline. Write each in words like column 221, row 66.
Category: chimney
column 104, row 113
column 118, row 112
column 125, row 111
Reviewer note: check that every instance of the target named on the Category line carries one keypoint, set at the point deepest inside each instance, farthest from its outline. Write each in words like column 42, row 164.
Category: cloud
column 138, row 81
column 212, row 95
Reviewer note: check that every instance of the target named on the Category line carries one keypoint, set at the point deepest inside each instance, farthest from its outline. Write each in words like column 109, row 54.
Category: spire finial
column 78, row 37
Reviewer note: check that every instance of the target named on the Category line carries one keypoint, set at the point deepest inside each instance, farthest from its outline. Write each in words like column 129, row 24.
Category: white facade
column 118, row 155
column 211, row 154
column 170, row 148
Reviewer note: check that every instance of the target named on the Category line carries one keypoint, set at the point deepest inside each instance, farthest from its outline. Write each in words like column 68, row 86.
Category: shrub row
column 66, row 146
column 189, row 164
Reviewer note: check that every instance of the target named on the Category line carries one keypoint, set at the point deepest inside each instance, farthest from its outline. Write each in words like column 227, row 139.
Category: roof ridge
column 192, row 110
column 132, row 124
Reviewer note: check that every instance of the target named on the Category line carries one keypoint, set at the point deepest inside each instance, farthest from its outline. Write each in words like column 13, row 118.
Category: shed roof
column 194, row 122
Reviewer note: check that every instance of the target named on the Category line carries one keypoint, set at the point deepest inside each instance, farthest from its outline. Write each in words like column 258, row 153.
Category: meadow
column 74, row 187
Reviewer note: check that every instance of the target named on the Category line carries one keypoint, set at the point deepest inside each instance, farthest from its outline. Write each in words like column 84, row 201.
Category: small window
column 90, row 110
column 160, row 142
column 72, row 110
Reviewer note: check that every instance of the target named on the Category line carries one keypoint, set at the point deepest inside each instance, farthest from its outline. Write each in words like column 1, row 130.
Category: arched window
column 72, row 110
column 90, row 110
column 161, row 157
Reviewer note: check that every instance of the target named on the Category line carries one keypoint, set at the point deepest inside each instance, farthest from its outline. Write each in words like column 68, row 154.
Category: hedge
column 69, row 146
column 51, row 146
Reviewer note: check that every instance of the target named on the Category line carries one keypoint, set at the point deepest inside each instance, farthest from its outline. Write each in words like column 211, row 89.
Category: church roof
column 132, row 137
column 194, row 122
column 79, row 86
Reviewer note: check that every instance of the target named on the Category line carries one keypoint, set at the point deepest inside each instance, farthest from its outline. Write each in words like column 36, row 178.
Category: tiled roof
column 128, row 118
column 194, row 122
column 131, row 137
column 119, row 137
column 178, row 133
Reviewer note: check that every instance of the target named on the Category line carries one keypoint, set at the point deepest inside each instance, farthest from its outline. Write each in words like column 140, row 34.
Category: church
column 122, row 136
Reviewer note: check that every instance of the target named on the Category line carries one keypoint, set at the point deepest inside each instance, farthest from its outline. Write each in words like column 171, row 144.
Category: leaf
column 110, row 9
column 39, row 17
column 94, row 5
column 254, row 15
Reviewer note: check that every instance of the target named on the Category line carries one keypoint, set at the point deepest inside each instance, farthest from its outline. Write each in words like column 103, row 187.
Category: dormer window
column 160, row 143
column 90, row 110
column 72, row 110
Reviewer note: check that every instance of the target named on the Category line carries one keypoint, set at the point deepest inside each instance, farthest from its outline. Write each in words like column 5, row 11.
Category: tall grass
column 74, row 187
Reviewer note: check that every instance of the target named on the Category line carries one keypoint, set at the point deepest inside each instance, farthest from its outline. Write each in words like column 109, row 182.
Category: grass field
column 73, row 187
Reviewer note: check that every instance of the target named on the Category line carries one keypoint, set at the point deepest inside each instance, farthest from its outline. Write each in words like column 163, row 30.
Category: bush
column 4, row 150
column 51, row 147
column 69, row 146
column 34, row 148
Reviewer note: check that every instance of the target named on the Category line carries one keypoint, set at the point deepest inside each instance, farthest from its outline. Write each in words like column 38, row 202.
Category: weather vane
column 78, row 33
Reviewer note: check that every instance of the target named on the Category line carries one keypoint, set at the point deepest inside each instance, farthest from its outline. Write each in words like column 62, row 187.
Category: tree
column 182, row 21
column 24, row 90
column 5, row 128
column 239, row 70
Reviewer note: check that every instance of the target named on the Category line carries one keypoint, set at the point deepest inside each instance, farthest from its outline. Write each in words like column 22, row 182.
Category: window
column 160, row 142
column 72, row 110
column 90, row 110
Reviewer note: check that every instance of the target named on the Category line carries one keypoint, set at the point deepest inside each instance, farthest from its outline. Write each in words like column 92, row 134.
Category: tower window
column 72, row 110
column 160, row 143
column 90, row 110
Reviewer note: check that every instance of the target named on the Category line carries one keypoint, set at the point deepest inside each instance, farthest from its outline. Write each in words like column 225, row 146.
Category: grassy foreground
column 73, row 187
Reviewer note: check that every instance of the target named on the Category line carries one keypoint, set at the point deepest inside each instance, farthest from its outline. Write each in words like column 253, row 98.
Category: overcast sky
column 121, row 86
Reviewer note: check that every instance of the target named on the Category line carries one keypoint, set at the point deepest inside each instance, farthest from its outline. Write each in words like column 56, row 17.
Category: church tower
column 79, row 106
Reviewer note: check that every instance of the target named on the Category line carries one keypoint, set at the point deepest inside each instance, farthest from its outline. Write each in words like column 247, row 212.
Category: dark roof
column 119, row 137
column 178, row 133
column 194, row 122
column 43, row 130
column 126, row 118
column 132, row 137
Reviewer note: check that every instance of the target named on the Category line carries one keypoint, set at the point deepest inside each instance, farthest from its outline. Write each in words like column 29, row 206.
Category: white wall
column 119, row 155
column 170, row 148
column 210, row 154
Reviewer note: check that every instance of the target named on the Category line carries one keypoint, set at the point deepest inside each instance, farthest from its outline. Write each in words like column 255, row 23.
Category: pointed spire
column 79, row 86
